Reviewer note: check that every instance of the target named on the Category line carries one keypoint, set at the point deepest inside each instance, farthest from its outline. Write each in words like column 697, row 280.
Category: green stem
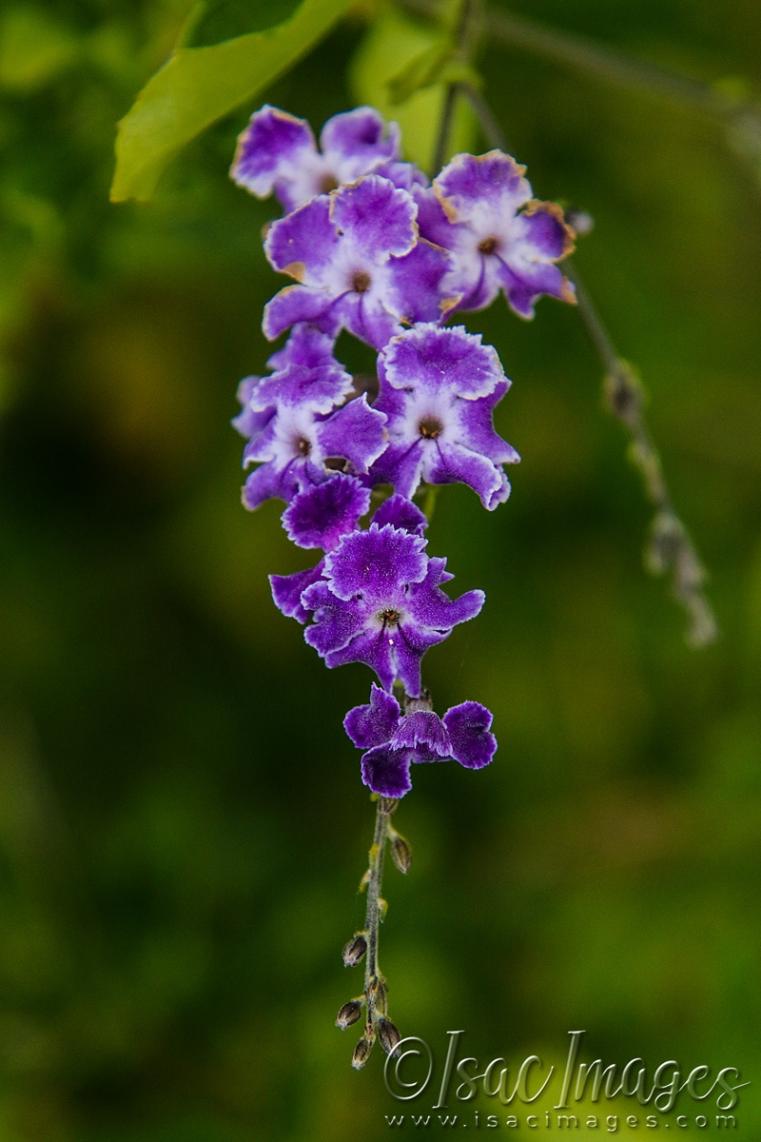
column 374, row 982
column 461, row 36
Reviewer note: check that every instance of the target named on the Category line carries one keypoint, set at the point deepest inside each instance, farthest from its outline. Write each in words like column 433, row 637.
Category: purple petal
column 386, row 771
column 319, row 516
column 268, row 482
column 543, row 227
column 359, row 139
column 306, row 346
column 374, row 648
column 452, row 464
column 269, row 149
column 524, row 283
column 376, row 217
column 319, row 390
column 472, row 743
column 367, row 317
column 473, row 184
column 403, row 513
column 287, row 591
column 433, row 610
column 416, row 292
column 355, row 432
column 249, row 421
column 296, row 304
column 401, row 465
column 437, row 359
column 335, row 622
column 477, row 430
column 374, row 723
column 376, row 562
column 425, row 733
column 404, row 175
column 303, row 243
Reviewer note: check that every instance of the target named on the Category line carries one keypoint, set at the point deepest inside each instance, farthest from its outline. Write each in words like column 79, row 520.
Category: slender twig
column 670, row 547
column 375, row 988
column 590, row 57
column 461, row 40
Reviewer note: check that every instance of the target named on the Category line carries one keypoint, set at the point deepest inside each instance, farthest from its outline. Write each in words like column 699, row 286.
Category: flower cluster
column 376, row 249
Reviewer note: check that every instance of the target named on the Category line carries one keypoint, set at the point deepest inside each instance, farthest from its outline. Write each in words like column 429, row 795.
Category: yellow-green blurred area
column 182, row 823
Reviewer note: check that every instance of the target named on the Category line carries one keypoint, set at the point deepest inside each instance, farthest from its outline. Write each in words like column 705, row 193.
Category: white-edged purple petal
column 469, row 725
column 287, row 591
column 356, row 433
column 374, row 723
column 416, row 289
column 441, row 360
column 473, row 185
column 303, row 243
column 423, row 732
column 358, row 140
column 307, row 346
column 374, row 563
column 269, row 153
column 375, row 216
column 386, row 771
column 453, row 464
column 296, row 304
column 403, row 513
column 321, row 515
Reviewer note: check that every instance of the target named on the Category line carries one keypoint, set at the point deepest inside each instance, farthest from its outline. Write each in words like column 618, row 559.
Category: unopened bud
column 361, row 1053
column 349, row 1013
column 354, row 950
column 388, row 1035
column 401, row 852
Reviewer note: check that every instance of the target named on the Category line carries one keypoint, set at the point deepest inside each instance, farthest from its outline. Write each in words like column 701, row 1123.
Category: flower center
column 328, row 182
column 389, row 617
column 488, row 246
column 430, row 427
column 361, row 281
column 303, row 446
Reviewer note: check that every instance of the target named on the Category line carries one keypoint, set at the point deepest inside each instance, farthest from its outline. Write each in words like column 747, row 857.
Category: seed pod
column 388, row 1035
column 361, row 1053
column 401, row 852
column 354, row 950
column 349, row 1013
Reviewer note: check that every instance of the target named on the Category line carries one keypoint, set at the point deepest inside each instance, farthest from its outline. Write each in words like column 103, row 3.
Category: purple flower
column 277, row 154
column 359, row 262
column 312, row 431
column 394, row 741
column 481, row 209
column 439, row 387
column 319, row 516
column 379, row 601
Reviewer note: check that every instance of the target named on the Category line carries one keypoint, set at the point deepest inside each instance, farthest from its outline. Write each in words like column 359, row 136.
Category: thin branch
column 590, row 57
column 462, row 40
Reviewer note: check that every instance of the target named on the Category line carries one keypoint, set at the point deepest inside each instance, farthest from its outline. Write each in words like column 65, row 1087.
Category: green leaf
column 438, row 63
column 393, row 43
column 213, row 21
column 199, row 85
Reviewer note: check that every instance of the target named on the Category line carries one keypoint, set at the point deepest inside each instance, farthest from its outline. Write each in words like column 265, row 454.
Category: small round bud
column 361, row 1053
column 401, row 853
column 349, row 1013
column 354, row 950
column 379, row 994
column 388, row 1035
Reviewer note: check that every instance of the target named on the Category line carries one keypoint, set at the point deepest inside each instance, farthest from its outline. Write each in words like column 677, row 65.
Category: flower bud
column 354, row 950
column 388, row 1035
column 349, row 1013
column 361, row 1053
column 379, row 994
column 401, row 852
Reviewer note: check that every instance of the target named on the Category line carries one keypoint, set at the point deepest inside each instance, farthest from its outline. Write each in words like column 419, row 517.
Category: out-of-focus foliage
column 182, row 825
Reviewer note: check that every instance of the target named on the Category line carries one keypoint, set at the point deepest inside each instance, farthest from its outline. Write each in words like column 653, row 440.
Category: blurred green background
column 182, row 824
